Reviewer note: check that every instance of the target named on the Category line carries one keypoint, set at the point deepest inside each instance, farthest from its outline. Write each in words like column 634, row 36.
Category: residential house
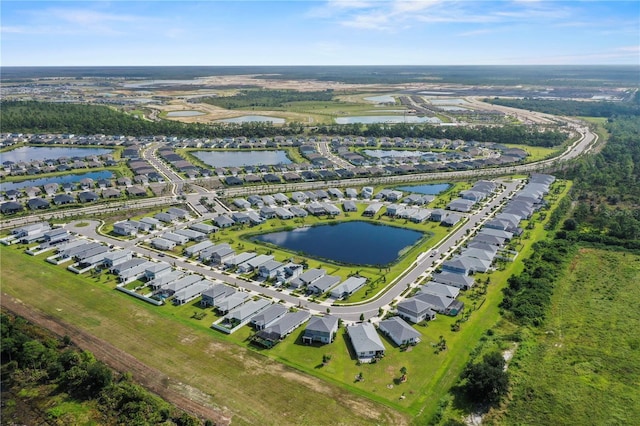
column 415, row 310
column 399, row 331
column 321, row 329
column 253, row 263
column 214, row 295
column 463, row 282
column 270, row 269
column 440, row 289
column 323, row 284
column 268, row 316
column 280, row 329
column 191, row 292
column 365, row 342
column 348, row 287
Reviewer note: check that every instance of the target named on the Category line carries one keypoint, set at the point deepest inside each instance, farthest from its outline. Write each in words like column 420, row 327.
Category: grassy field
column 257, row 389
column 583, row 366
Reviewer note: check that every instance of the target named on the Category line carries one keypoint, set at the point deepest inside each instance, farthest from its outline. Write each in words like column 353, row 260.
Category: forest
column 42, row 117
column 573, row 108
column 37, row 363
column 246, row 99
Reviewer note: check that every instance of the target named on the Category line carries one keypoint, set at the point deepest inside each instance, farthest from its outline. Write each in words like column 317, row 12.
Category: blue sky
column 334, row 32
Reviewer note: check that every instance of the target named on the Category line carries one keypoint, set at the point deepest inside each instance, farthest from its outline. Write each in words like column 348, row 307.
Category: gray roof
column 398, row 330
column 450, row 277
column 323, row 324
column 438, row 303
column 325, row 283
column 288, row 323
column 266, row 317
column 439, row 289
column 414, row 306
column 364, row 338
column 232, row 301
column 245, row 311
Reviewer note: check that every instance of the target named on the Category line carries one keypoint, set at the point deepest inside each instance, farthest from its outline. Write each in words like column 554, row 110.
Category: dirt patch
column 189, row 399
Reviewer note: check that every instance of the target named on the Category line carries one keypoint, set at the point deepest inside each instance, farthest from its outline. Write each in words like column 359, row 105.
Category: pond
column 453, row 108
column 427, row 189
column 368, row 119
column 31, row 153
column 382, row 153
column 242, row 158
column 382, row 99
column 353, row 243
column 253, row 119
column 448, row 101
column 103, row 174
column 184, row 113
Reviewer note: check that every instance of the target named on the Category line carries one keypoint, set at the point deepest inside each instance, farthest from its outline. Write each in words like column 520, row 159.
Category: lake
column 103, row 174
column 253, row 119
column 449, row 101
column 382, row 99
column 184, row 113
column 31, row 153
column 427, row 189
column 354, row 243
column 368, row 119
column 242, row 158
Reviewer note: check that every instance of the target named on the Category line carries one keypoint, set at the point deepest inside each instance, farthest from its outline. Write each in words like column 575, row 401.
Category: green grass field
column 583, row 366
column 256, row 388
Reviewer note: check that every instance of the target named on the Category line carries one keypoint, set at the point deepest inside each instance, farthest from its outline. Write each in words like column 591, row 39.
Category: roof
column 324, row 324
column 439, row 289
column 414, row 306
column 364, row 338
column 325, row 283
column 439, row 303
column 288, row 323
column 398, row 330
column 450, row 277
column 270, row 314
column 350, row 285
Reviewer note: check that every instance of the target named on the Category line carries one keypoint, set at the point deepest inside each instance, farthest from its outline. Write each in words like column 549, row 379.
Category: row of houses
column 173, row 215
column 38, row 203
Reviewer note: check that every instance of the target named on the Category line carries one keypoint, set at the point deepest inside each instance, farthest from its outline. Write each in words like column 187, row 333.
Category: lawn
column 583, row 366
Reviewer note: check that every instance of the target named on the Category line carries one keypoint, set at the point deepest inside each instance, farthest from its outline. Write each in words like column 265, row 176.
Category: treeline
column 606, row 190
column 528, row 294
column 573, row 108
column 42, row 117
column 511, row 134
column 32, row 358
column 263, row 98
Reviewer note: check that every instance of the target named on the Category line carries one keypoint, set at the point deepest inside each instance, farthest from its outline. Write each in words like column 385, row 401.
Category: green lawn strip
column 255, row 388
column 588, row 345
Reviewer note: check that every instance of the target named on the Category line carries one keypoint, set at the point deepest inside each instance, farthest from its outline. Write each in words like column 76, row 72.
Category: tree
column 486, row 381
